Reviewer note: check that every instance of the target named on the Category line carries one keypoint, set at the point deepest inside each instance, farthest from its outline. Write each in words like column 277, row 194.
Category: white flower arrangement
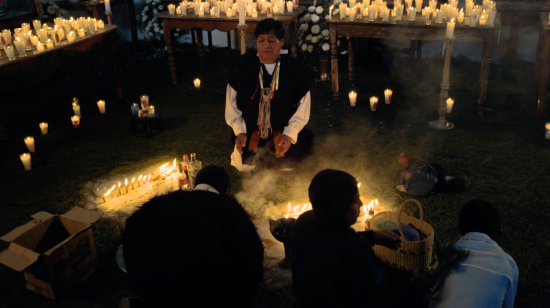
column 310, row 48
column 314, row 40
column 308, row 37
column 311, row 9
column 315, row 29
column 326, row 47
column 315, row 18
column 325, row 32
column 319, row 10
column 307, row 17
column 304, row 47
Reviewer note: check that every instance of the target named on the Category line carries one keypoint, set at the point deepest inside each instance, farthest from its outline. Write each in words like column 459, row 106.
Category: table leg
column 543, row 87
column 133, row 27
column 293, row 39
column 485, row 65
column 170, row 51
column 350, row 58
column 193, row 39
column 334, row 61
column 229, row 39
column 210, row 47
column 200, row 47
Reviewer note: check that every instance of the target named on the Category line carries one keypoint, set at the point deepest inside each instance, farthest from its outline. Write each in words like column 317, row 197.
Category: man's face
column 354, row 210
column 269, row 47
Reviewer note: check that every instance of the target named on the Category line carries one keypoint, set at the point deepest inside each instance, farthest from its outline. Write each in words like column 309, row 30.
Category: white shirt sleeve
column 233, row 115
column 299, row 119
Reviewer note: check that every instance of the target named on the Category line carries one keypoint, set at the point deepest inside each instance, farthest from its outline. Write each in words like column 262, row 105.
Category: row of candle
column 388, row 94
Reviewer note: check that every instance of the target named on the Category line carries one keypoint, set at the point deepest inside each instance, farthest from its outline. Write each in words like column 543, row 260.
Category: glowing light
column 133, row 180
column 359, row 185
column 140, row 176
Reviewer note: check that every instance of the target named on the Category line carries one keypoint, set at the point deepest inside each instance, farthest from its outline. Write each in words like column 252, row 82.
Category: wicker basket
column 413, row 256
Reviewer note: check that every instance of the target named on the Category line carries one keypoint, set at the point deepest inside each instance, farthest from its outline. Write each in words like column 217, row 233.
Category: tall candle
column 76, row 121
column 373, row 103
column 418, row 4
column 399, row 12
column 26, row 160
column 43, row 128
column 29, row 141
column 76, row 109
column 107, row 5
column 412, row 14
column 290, row 6
column 144, row 99
column 388, row 95
column 450, row 29
column 241, row 13
column 81, row 33
column 10, row 52
column 101, row 106
column 450, row 104
column 352, row 98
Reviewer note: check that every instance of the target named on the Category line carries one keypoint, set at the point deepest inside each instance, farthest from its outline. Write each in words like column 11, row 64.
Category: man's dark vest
column 293, row 86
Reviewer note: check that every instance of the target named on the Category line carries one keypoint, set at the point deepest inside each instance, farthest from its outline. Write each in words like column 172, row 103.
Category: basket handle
column 419, row 206
column 398, row 228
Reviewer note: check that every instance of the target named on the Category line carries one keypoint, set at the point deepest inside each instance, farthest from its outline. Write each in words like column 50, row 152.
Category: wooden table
column 222, row 23
column 95, row 9
column 542, row 65
column 80, row 44
column 416, row 30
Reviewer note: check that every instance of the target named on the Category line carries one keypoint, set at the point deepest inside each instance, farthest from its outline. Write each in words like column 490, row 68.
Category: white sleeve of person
column 233, row 115
column 299, row 119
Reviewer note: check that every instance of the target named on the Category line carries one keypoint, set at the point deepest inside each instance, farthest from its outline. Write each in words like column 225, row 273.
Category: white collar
column 207, row 187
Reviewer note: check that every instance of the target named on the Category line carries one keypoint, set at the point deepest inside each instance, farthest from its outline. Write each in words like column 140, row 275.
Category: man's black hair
column 193, row 249
column 480, row 216
column 331, row 194
column 270, row 26
column 216, row 177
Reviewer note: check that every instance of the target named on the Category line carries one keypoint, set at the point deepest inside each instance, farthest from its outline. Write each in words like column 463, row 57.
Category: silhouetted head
column 480, row 216
column 216, row 177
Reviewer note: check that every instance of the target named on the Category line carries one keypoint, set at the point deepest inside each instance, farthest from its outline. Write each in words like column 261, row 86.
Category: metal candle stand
column 442, row 123
column 281, row 230
column 109, row 17
column 242, row 31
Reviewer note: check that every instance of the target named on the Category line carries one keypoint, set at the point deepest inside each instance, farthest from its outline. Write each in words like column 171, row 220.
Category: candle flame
column 118, row 184
column 113, row 187
column 149, row 177
column 174, row 168
column 359, row 185
column 461, row 10
column 108, row 192
column 453, row 20
column 126, row 182
column 19, row 40
column 133, row 180
column 365, row 208
column 140, row 176
column 163, row 166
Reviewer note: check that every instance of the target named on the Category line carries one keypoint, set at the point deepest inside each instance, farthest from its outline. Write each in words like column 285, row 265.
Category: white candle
column 101, row 106
column 171, row 9
column 412, row 14
column 483, row 19
column 547, row 132
column 450, row 29
column 491, row 18
column 29, row 141
column 81, row 33
column 342, row 8
column 43, row 128
column 438, row 16
column 76, row 121
column 399, row 12
column 49, row 43
column 178, row 10
column 197, row 83
column 450, row 103
column 100, row 24
column 433, row 4
column 388, row 96
column 20, row 48
column 276, row 9
column 290, row 6
column 26, row 160
column 241, row 13
column 351, row 14
column 460, row 17
column 254, row 14
column 372, row 13
column 373, row 103
column 418, row 4
column 352, row 98
column 71, row 37
column 201, row 12
column 429, row 16
column 10, row 52
column 107, row 5
column 151, row 109
column 37, row 24
column 386, row 15
column 76, row 109
column 144, row 99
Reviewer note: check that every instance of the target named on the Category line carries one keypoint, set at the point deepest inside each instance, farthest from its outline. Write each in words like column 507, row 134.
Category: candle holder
column 281, row 230
column 109, row 17
column 442, row 123
column 242, row 31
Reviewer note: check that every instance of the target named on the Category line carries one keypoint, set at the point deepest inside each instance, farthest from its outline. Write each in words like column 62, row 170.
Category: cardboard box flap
column 18, row 257
column 81, row 214
column 65, row 241
column 19, row 230
column 41, row 215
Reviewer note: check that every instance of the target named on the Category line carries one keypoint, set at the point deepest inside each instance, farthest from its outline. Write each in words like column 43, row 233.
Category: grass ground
column 502, row 157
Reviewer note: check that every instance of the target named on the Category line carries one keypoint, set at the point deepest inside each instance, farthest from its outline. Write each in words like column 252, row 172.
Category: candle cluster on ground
column 388, row 94
column 471, row 14
column 61, row 32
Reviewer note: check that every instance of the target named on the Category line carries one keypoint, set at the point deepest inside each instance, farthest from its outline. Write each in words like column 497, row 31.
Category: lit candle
column 119, row 192
column 101, row 106
column 20, row 48
column 418, row 4
column 290, row 6
column 133, row 183
column 71, row 37
column 81, row 33
column 139, row 180
column 76, row 109
column 412, row 14
column 100, row 24
column 352, row 98
column 49, row 43
column 351, row 13
column 201, row 12
column 276, row 9
column 330, row 12
column 29, row 141
column 460, row 17
column 171, row 9
column 197, row 83
column 483, row 19
column 37, row 24
column 547, row 132
column 44, row 128
column 43, row 35
column 388, row 96
column 151, row 109
column 76, row 121
column 399, row 12
column 450, row 29
column 107, row 5
column 373, row 103
column 255, row 14
column 126, row 184
column 386, row 14
column 178, row 10
column 450, row 103
column 10, row 52
column 39, row 48
column 342, row 7
column 26, row 160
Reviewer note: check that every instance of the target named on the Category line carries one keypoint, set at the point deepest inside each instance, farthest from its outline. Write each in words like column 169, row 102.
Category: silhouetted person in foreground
column 214, row 179
column 190, row 249
column 332, row 265
column 488, row 277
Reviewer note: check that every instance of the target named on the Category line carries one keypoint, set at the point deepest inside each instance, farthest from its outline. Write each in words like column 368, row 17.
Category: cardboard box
column 54, row 252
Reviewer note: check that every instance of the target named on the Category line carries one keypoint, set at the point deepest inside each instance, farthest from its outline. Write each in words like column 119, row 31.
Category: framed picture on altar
column 16, row 10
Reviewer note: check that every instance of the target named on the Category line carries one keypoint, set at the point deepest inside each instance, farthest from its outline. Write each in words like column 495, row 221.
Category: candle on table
column 241, row 13
column 76, row 109
column 460, row 17
column 49, row 43
column 29, row 141
column 388, row 96
column 119, row 192
column 135, row 110
column 412, row 14
column 171, row 9
column 433, row 4
column 20, row 48
column 483, row 19
column 491, row 18
column 10, row 52
column 90, row 25
column 373, row 103
column 37, row 24
column 26, row 27
column 399, row 12
column 76, row 121
column 178, row 10
column 6, row 34
column 386, row 15
column 330, row 12
column 418, row 4
column 547, row 132
column 101, row 106
column 144, row 99
column 26, row 160
column 43, row 128
column 81, row 33
column 126, row 184
column 351, row 13
column 139, row 180
column 429, row 16
column 289, row 6
column 276, row 9
column 342, row 7
column 450, row 103
column 133, row 183
column 107, row 5
column 254, row 13
column 151, row 109
column 450, row 29
column 27, row 38
column 201, row 12
column 197, row 83
column 100, row 24
column 71, row 37
column 473, row 18
column 372, row 13
column 352, row 98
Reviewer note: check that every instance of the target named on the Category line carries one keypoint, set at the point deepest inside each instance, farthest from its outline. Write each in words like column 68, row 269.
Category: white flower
column 307, row 17
column 327, row 17
column 315, row 29
column 144, row 19
column 304, row 47
column 156, row 25
column 338, row 44
column 161, row 31
column 314, row 39
column 150, row 23
column 344, row 52
column 151, row 34
column 311, row 9
column 303, row 27
column 148, row 1
column 319, row 10
column 147, row 28
column 335, row 11
column 146, row 9
column 310, row 48
column 155, row 11
column 326, row 47
column 319, row 37
column 325, row 32
column 161, row 7
column 315, row 18
column 300, row 43
column 176, row 34
column 156, row 29
column 308, row 37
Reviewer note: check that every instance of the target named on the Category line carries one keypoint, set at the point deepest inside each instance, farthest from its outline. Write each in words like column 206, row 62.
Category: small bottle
column 184, row 162
column 182, row 180
column 194, row 167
